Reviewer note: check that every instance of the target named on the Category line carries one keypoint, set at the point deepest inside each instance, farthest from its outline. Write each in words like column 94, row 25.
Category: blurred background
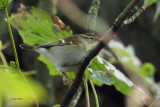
column 143, row 34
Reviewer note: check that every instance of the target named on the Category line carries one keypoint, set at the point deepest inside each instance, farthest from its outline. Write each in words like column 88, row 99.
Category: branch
column 91, row 25
column 92, row 18
column 136, row 15
column 92, row 53
column 77, row 96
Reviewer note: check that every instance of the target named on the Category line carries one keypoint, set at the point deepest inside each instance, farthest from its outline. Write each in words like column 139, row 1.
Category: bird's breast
column 65, row 58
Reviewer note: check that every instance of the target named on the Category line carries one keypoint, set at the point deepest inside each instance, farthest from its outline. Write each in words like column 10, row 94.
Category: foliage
column 17, row 91
column 4, row 3
column 126, row 57
column 56, row 105
column 53, row 70
column 37, row 27
column 31, row 28
column 106, row 73
column 148, row 69
column 150, row 2
column 130, row 62
column 18, row 88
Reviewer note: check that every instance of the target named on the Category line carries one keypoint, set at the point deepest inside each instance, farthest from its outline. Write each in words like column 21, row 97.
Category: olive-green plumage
column 66, row 54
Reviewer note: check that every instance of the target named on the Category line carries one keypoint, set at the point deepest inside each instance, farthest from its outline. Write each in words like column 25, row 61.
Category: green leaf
column 99, row 72
column 41, row 15
column 4, row 3
column 52, row 69
column 128, row 60
column 100, row 64
column 106, row 73
column 31, row 38
column 44, row 30
column 25, row 19
column 37, row 27
column 17, row 91
column 148, row 69
column 96, row 82
column 71, row 75
column 122, row 87
column 97, row 64
column 150, row 2
column 12, row 64
column 57, row 105
column 102, row 77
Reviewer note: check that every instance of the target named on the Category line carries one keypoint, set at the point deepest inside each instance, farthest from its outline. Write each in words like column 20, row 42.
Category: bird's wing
column 72, row 40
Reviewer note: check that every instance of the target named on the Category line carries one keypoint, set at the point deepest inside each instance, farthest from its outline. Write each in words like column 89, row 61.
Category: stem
column 12, row 39
column 86, row 92
column 1, row 104
column 94, row 91
column 3, row 58
column 29, row 73
column 109, row 35
column 16, row 57
column 92, row 18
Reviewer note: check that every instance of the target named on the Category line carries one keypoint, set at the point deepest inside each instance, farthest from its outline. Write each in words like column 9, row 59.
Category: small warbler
column 67, row 53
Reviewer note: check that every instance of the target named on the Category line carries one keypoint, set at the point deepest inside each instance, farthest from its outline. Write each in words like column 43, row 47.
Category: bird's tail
column 28, row 47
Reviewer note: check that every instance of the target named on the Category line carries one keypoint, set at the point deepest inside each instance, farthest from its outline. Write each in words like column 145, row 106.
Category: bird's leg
column 68, row 79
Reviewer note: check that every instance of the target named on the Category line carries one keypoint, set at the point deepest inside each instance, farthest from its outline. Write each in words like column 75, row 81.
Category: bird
column 67, row 53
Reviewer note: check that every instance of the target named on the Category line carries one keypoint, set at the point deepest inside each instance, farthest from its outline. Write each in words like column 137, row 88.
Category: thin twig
column 136, row 15
column 3, row 58
column 92, row 53
column 86, row 92
column 92, row 18
column 94, row 91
